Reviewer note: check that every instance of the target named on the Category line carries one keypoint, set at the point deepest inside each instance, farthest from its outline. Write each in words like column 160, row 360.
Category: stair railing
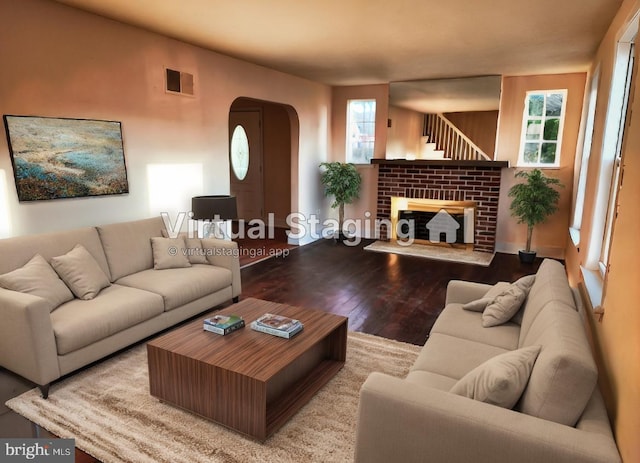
column 455, row 144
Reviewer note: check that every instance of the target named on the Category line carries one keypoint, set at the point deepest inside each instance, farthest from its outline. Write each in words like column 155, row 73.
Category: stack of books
column 223, row 324
column 277, row 325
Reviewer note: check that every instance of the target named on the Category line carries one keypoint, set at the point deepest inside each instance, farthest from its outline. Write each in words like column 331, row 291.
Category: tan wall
column 364, row 208
column 549, row 238
column 403, row 137
column 480, row 126
column 62, row 62
column 617, row 335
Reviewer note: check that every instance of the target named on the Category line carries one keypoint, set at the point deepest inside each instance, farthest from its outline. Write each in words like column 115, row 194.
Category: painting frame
column 62, row 158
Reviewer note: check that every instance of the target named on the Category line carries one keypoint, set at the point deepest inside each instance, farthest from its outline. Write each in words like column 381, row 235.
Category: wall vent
column 178, row 82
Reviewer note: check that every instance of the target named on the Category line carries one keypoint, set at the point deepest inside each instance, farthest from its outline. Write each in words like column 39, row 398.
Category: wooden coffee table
column 249, row 381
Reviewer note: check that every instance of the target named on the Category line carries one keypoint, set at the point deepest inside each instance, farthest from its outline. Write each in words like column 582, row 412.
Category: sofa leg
column 44, row 389
column 235, row 299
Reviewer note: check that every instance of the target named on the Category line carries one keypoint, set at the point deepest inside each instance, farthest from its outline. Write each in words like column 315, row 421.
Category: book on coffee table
column 277, row 325
column 223, row 324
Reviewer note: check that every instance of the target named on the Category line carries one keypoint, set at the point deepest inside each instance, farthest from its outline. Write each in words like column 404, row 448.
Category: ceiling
column 358, row 42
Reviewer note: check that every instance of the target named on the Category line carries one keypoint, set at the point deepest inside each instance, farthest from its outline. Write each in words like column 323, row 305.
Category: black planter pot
column 527, row 257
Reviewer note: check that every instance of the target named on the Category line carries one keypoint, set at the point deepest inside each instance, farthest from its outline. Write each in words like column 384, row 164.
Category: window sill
column 594, row 284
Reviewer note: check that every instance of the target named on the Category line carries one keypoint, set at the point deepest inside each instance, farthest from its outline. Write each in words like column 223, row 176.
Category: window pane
column 361, row 130
column 554, row 104
column 551, row 127
column 548, row 154
column 536, row 103
column 239, row 152
column 533, row 130
column 531, row 152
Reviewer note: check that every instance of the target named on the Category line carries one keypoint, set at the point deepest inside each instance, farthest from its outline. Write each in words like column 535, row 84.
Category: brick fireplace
column 476, row 182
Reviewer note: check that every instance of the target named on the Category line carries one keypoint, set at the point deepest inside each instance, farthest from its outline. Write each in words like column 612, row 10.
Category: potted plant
column 342, row 181
column 533, row 202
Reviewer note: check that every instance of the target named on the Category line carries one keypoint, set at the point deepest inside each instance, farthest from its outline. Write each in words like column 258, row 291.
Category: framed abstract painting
column 56, row 158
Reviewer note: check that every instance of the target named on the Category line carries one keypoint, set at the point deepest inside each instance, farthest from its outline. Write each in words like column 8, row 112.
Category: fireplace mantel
column 441, row 162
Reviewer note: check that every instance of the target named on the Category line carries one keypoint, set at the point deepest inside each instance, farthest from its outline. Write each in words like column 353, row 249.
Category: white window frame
column 595, row 264
column 526, row 117
column 612, row 207
column 351, row 133
column 604, row 206
column 583, row 168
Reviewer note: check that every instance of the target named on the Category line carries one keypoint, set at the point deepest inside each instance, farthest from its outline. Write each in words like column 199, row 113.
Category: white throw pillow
column 80, row 271
column 38, row 278
column 169, row 253
column 500, row 380
column 503, row 307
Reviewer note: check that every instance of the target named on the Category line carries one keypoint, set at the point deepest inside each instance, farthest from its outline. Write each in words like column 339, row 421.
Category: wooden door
column 245, row 146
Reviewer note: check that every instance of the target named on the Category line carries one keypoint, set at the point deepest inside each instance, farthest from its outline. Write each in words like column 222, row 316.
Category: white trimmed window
column 542, row 124
column 361, row 130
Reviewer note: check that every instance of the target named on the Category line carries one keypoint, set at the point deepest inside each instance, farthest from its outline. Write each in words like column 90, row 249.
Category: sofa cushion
column 455, row 321
column 179, row 286
column 500, row 380
column 19, row 249
column 81, row 273
column 169, row 253
column 503, row 307
column 127, row 245
column 452, row 356
column 79, row 323
column 38, row 278
column 565, row 373
column 551, row 284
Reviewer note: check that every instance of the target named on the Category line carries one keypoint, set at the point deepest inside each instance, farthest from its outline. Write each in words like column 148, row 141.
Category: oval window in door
column 239, row 152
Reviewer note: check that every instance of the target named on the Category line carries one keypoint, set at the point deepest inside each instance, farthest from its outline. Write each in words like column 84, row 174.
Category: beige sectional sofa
column 558, row 417
column 42, row 338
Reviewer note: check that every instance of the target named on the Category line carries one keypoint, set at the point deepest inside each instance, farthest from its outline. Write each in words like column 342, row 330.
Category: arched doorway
column 266, row 181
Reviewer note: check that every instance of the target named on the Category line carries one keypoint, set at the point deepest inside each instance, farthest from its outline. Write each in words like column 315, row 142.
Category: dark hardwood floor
column 397, row 297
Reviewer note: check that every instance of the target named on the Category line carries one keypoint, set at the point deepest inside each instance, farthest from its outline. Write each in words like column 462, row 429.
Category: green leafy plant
column 342, row 181
column 534, row 200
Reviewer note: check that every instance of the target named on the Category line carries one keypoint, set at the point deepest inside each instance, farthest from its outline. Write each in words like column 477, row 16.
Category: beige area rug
column 433, row 252
column 108, row 410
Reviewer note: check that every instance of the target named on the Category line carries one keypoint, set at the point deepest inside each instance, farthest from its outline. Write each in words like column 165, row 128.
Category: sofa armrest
column 408, row 422
column 461, row 292
column 225, row 253
column 27, row 342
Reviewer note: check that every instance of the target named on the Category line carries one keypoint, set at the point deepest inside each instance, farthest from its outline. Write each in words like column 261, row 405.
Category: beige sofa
column 42, row 342
column 560, row 416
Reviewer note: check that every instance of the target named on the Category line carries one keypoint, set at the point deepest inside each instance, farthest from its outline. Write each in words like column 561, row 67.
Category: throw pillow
column 195, row 252
column 479, row 304
column 503, row 307
column 38, row 278
column 169, row 253
column 525, row 283
column 500, row 380
column 80, row 271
